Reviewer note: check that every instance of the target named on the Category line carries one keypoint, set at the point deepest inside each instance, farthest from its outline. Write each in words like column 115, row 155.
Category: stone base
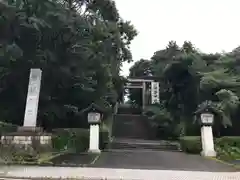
column 94, row 151
column 209, row 153
column 27, row 137
column 29, row 129
column 25, row 140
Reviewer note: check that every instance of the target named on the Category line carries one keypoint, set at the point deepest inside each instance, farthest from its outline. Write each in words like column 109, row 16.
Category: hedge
column 7, row 128
column 107, row 125
column 77, row 139
column 233, row 141
column 191, row 144
column 227, row 147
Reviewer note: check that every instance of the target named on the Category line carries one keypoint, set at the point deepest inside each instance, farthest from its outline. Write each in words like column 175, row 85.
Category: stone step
column 145, row 146
column 129, row 110
column 127, row 147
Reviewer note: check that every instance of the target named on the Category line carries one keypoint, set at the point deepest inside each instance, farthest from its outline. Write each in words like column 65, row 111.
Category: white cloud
column 212, row 25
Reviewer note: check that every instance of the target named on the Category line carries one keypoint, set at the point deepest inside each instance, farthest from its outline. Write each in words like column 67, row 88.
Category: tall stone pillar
column 31, row 110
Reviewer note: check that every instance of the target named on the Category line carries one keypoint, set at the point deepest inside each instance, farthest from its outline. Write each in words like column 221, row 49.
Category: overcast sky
column 211, row 25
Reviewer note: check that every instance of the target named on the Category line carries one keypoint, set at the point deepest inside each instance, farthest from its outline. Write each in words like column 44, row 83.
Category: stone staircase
column 130, row 126
column 132, row 131
column 136, row 144
column 128, row 109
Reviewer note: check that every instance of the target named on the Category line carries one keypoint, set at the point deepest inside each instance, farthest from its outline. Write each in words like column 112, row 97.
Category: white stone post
column 31, row 110
column 155, row 92
column 94, row 121
column 94, row 139
column 207, row 135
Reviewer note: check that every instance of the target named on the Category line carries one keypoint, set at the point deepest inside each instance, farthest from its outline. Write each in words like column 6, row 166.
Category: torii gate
column 141, row 83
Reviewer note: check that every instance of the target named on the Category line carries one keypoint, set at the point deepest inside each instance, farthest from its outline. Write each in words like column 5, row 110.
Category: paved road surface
column 134, row 165
column 117, row 174
column 159, row 160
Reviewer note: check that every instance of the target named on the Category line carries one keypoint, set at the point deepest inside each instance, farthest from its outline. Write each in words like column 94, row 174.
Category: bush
column 24, row 156
column 107, row 125
column 233, row 141
column 7, row 128
column 77, row 139
column 191, row 144
column 228, row 148
column 104, row 138
column 70, row 139
column 13, row 154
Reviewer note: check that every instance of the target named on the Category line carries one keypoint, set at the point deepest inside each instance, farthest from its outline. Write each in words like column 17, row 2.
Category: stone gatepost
column 94, row 115
column 206, row 121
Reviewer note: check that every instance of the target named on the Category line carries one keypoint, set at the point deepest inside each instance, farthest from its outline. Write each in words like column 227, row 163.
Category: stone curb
column 59, row 178
column 47, row 165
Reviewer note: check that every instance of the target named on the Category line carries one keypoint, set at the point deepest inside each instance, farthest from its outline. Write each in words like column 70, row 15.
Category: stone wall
column 8, row 139
column 39, row 141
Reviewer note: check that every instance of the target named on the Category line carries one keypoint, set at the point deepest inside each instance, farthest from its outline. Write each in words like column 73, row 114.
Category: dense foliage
column 77, row 139
column 227, row 147
column 189, row 80
column 80, row 46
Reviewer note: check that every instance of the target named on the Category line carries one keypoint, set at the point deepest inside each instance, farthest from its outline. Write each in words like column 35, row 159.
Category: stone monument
column 31, row 110
column 29, row 134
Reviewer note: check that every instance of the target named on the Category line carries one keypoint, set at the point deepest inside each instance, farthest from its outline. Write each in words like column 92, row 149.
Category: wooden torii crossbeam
column 136, row 83
column 133, row 83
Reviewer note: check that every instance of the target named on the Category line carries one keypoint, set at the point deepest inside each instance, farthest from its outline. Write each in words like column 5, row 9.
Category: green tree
column 189, row 77
column 79, row 45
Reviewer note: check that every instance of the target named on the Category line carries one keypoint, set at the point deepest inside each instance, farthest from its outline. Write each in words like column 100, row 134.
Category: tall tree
column 79, row 45
column 189, row 78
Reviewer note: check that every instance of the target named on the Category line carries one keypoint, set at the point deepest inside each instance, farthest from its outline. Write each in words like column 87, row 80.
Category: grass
column 64, row 158
column 48, row 156
column 8, row 158
column 75, row 159
column 224, row 162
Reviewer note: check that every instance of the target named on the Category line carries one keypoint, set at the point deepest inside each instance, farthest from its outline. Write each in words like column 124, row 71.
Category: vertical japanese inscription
column 155, row 92
column 31, row 109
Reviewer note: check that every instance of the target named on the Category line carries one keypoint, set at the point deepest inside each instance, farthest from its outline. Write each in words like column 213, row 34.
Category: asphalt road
column 159, row 160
